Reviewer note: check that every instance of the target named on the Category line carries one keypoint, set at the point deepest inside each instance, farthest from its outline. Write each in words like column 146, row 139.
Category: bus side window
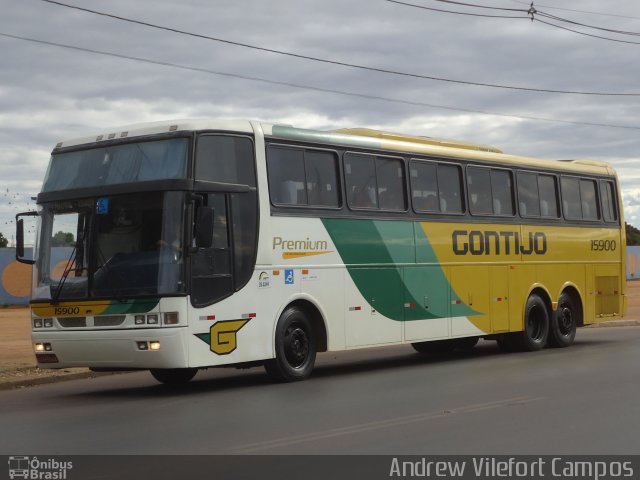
column 528, row 195
column 548, row 196
column 502, row 192
column 571, row 205
column 608, row 199
column 479, row 185
column 285, row 167
column 424, row 186
column 450, row 188
column 303, row 177
column 322, row 178
column 360, row 178
column 390, row 173
column 225, row 159
column 589, row 200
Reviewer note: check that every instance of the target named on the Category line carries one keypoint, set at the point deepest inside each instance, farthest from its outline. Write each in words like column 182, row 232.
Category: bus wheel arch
column 317, row 322
column 299, row 335
column 566, row 318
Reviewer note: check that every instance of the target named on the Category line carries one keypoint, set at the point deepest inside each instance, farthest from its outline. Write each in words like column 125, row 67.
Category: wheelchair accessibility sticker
column 288, row 277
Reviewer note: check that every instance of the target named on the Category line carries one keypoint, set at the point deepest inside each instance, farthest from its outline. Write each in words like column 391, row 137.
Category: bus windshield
column 116, row 164
column 111, row 247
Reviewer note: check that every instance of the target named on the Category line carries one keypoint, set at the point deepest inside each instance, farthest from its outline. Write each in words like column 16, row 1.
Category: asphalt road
column 580, row 400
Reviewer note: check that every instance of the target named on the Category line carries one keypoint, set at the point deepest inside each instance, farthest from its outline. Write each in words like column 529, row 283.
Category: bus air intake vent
column 73, row 322
column 108, row 320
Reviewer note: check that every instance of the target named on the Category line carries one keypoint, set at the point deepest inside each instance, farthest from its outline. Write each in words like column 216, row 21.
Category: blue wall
column 633, row 263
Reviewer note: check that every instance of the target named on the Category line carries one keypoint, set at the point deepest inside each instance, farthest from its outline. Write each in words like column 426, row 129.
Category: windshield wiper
column 65, row 274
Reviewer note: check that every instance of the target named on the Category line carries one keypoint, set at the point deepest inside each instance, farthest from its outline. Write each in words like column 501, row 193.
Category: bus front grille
column 108, row 320
column 72, row 322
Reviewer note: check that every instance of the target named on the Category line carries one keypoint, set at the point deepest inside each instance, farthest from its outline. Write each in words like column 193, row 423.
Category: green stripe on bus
column 318, row 136
column 393, row 265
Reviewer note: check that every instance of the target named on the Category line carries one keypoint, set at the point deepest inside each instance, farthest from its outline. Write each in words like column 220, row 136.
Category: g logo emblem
column 223, row 336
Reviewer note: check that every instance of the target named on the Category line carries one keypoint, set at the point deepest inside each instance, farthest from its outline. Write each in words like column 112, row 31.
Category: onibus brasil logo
column 38, row 469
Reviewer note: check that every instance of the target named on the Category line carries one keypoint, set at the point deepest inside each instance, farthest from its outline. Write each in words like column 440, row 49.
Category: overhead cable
column 309, row 87
column 345, row 64
column 454, row 12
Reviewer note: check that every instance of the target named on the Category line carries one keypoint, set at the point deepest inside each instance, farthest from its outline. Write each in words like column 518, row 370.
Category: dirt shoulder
column 18, row 366
column 17, row 361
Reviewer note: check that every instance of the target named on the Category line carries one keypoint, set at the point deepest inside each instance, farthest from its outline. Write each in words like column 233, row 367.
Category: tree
column 62, row 239
column 3, row 241
column 633, row 234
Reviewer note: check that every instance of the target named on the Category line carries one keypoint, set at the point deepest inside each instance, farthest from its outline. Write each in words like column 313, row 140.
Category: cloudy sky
column 67, row 73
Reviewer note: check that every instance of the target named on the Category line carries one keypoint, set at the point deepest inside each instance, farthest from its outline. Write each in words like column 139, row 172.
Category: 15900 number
column 66, row 311
column 603, row 245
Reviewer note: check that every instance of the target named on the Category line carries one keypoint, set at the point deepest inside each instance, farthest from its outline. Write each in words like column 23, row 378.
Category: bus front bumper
column 113, row 349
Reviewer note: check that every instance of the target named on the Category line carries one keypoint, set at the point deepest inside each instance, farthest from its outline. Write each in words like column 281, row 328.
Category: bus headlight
column 37, row 323
column 154, row 345
column 48, row 322
column 42, row 347
column 152, row 319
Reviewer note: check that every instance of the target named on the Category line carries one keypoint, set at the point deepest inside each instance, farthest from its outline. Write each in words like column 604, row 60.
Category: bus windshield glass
column 111, row 247
column 116, row 164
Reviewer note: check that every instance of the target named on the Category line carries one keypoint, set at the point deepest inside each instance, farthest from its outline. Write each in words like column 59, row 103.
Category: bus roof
column 354, row 137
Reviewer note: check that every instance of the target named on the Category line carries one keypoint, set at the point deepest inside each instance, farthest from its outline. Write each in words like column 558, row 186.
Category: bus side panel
column 432, row 296
column 365, row 325
column 499, row 298
column 472, row 288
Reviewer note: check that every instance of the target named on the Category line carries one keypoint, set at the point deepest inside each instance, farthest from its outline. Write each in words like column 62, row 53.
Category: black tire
column 295, row 346
column 562, row 329
column 173, row 376
column 536, row 326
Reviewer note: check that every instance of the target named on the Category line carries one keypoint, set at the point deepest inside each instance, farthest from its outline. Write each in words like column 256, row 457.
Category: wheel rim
column 565, row 320
column 535, row 323
column 296, row 346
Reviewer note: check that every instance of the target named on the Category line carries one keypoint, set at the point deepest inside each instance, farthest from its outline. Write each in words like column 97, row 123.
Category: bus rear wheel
column 536, row 326
column 173, row 376
column 295, row 346
column 562, row 330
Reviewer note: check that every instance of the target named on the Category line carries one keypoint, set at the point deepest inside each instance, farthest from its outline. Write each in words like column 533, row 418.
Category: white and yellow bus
column 210, row 243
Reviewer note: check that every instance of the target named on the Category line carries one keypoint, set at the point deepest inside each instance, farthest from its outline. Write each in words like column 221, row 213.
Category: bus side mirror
column 20, row 238
column 204, row 227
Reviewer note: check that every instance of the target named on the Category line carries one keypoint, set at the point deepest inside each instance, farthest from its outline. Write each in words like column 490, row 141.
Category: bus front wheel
column 295, row 346
column 564, row 321
column 173, row 376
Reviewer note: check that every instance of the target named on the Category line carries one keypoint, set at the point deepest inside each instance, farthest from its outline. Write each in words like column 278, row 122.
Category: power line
column 551, row 7
column 451, row 11
column 343, row 64
column 532, row 14
column 475, row 5
column 309, row 87
column 584, row 33
column 572, row 22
